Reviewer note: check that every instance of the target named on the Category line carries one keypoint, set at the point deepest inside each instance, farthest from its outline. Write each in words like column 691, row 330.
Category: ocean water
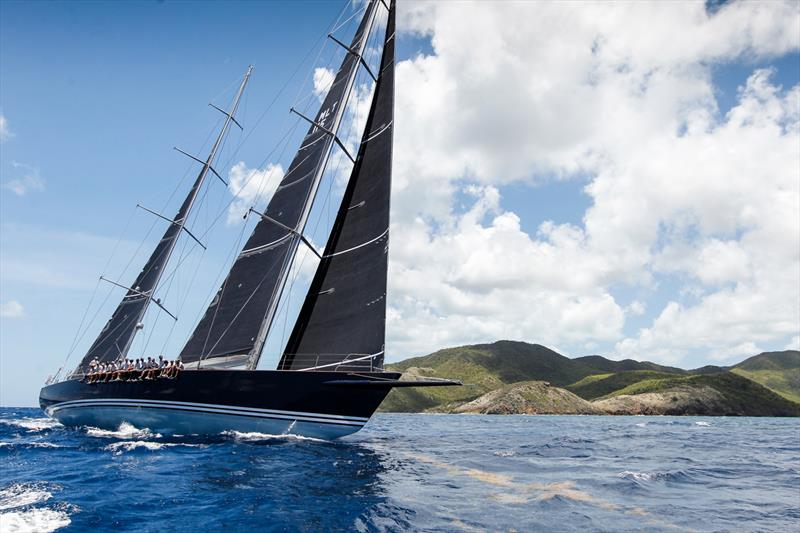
column 408, row 473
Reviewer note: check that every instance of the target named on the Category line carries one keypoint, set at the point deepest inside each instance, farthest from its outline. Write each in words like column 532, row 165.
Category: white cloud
column 12, row 309
column 794, row 344
column 735, row 353
column 251, row 188
column 635, row 308
column 29, row 181
column 323, row 79
column 678, row 192
column 5, row 132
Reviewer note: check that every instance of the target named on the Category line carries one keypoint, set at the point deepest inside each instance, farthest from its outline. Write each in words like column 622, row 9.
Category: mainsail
column 116, row 337
column 233, row 329
column 343, row 317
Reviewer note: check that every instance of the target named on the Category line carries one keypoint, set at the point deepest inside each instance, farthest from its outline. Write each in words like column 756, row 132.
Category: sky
column 619, row 179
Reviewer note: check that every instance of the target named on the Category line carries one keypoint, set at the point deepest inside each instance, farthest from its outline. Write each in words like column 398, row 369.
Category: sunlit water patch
column 407, row 473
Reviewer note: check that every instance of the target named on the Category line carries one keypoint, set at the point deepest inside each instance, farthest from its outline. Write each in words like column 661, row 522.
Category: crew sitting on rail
column 132, row 370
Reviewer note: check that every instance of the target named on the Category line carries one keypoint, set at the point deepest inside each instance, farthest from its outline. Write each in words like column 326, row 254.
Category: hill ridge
column 770, row 381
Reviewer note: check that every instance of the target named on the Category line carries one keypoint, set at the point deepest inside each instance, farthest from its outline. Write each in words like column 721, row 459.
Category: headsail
column 234, row 326
column 344, row 314
column 117, row 335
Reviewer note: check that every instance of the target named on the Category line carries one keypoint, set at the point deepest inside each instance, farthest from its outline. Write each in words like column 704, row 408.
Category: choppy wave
column 407, row 473
column 26, row 445
column 129, row 446
column 19, row 514
column 37, row 520
column 504, row 453
column 645, row 477
column 124, row 431
column 702, row 424
column 22, row 494
column 31, row 424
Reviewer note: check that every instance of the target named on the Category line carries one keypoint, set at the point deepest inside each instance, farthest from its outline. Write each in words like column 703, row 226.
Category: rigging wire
column 79, row 336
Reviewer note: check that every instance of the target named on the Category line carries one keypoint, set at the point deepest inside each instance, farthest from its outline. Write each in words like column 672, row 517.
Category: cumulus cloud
column 28, row 181
column 251, row 187
column 5, row 132
column 323, row 79
column 680, row 193
column 12, row 309
column 794, row 344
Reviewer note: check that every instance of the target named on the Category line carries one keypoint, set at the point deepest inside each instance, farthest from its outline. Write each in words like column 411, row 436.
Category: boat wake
column 128, row 446
column 124, row 431
column 255, row 437
column 18, row 512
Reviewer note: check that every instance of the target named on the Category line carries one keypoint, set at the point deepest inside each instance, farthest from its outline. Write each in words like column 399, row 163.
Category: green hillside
column 759, row 385
column 508, row 361
column 599, row 385
column 482, row 368
column 778, row 371
column 742, row 396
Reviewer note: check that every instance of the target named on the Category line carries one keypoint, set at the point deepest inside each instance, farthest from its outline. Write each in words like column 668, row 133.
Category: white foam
column 31, row 444
column 127, row 446
column 21, row 494
column 124, row 431
column 636, row 476
column 254, row 436
column 32, row 424
column 505, row 453
column 702, row 424
column 641, row 424
column 36, row 520
column 44, row 445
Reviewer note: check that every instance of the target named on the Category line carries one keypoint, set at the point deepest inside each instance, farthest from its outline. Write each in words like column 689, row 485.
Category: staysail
column 116, row 337
column 233, row 329
column 343, row 320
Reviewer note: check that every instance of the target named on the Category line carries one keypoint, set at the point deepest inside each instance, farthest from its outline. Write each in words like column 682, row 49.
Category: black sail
column 117, row 335
column 231, row 329
column 344, row 313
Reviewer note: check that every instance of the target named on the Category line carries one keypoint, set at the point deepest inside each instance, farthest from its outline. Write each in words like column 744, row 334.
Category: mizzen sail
column 116, row 337
column 343, row 317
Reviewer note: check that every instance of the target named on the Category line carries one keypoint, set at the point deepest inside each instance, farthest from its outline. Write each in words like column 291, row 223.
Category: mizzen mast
column 116, row 338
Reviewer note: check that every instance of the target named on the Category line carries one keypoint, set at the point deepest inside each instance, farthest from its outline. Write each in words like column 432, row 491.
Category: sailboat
column 330, row 378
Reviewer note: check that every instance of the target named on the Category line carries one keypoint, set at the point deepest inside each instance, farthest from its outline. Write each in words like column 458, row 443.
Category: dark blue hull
column 313, row 404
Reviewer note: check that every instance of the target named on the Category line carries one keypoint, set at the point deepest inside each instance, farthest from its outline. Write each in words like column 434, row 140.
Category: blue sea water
column 409, row 473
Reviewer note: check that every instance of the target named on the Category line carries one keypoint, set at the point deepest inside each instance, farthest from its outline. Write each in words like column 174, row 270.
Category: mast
column 255, row 355
column 235, row 326
column 117, row 336
column 342, row 324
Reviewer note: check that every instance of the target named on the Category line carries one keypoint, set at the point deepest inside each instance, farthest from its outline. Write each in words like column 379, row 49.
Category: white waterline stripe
column 209, row 411
column 90, row 401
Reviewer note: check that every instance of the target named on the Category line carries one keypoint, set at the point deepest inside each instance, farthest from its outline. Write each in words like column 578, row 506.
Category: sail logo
column 323, row 118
